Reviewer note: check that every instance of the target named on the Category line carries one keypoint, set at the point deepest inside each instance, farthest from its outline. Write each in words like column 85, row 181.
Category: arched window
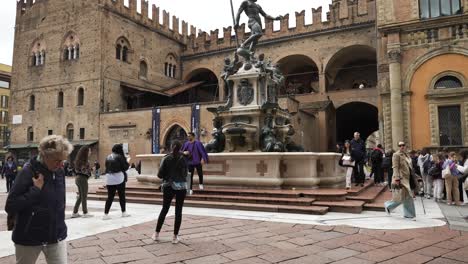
column 448, row 82
column 170, row 66
column 80, row 97
column 122, row 49
column 143, row 70
column 38, row 53
column 71, row 47
column 60, row 100
column 70, row 132
column 30, row 134
column 32, row 103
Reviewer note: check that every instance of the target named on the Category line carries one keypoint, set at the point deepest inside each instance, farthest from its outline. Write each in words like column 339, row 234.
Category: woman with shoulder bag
column 173, row 172
column 348, row 161
column 83, row 172
column 450, row 173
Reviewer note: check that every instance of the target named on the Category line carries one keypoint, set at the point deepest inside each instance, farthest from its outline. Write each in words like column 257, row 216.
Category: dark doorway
column 175, row 133
column 356, row 117
column 206, row 91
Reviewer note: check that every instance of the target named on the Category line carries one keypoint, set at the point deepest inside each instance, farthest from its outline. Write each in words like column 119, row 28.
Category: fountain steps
column 319, row 201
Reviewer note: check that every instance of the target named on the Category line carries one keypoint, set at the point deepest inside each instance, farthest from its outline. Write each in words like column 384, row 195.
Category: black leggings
column 359, row 175
column 168, row 194
column 110, row 196
column 191, row 169
column 9, row 182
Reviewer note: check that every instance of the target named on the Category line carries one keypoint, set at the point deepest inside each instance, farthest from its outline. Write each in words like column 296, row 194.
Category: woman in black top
column 173, row 172
column 83, row 172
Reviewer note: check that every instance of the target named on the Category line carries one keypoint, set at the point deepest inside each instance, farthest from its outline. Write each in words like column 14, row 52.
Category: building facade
column 5, row 79
column 96, row 76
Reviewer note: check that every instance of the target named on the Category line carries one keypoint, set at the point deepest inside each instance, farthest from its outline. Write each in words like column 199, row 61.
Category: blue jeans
column 408, row 206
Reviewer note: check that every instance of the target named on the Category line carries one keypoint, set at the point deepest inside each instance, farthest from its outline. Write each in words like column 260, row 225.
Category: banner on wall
column 196, row 120
column 156, row 128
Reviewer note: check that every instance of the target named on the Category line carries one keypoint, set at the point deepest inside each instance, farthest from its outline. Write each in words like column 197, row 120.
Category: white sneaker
column 175, row 240
column 155, row 237
column 75, row 215
column 190, row 192
column 125, row 214
column 200, row 186
column 106, row 217
column 387, row 211
column 410, row 218
column 87, row 215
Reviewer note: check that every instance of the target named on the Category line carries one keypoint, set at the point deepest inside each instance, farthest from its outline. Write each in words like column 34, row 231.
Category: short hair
column 379, row 145
column 54, row 145
column 191, row 134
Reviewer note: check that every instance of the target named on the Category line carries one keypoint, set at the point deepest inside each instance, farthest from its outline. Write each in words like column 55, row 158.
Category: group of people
column 36, row 202
column 353, row 158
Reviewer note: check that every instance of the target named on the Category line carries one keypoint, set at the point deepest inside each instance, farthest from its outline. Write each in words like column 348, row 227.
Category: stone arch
column 143, row 71
column 70, row 131
column 408, row 76
column 356, row 117
column 352, row 67
column 206, row 90
column 38, row 52
column 301, row 73
column 174, row 131
column 80, row 96
column 171, row 65
column 425, row 102
column 122, row 49
column 459, row 77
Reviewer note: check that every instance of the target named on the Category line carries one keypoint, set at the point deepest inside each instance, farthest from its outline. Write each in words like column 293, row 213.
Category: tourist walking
column 402, row 193
column 83, row 173
column 463, row 169
column 424, row 163
column 376, row 160
column 348, row 161
column 97, row 169
column 116, row 166
column 9, row 171
column 388, row 166
column 358, row 145
column 37, row 203
column 197, row 156
column 436, row 173
column 451, row 179
column 173, row 172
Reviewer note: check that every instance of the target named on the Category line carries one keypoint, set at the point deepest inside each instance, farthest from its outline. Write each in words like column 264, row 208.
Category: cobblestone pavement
column 220, row 240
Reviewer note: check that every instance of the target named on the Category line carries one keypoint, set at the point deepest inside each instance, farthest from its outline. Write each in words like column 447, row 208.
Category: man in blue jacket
column 37, row 202
column 358, row 145
column 197, row 156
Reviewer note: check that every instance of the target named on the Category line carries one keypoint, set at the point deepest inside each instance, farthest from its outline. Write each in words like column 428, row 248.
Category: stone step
column 354, row 207
column 369, row 195
column 356, row 190
column 200, row 196
column 317, row 194
column 316, row 210
column 378, row 203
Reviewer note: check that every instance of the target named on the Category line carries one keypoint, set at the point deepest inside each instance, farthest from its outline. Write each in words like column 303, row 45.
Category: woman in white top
column 464, row 170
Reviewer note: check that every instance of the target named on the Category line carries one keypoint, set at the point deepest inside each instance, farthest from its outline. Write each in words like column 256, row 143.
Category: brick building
column 5, row 79
column 94, row 69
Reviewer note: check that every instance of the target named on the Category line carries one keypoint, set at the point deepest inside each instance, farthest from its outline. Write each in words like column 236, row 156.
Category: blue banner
column 196, row 120
column 156, row 128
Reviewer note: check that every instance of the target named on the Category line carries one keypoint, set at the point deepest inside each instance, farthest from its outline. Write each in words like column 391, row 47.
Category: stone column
column 322, row 83
column 394, row 59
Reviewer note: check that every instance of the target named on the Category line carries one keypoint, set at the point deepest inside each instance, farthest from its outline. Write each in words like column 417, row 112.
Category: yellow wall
column 421, row 134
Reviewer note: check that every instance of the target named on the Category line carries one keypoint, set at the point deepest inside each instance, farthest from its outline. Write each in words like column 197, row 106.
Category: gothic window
column 32, row 103
column 143, row 70
column 71, row 47
column 60, row 100
column 38, row 54
column 437, row 8
column 450, row 129
column 122, row 50
column 448, row 82
column 70, row 132
column 30, row 134
column 170, row 66
column 80, row 97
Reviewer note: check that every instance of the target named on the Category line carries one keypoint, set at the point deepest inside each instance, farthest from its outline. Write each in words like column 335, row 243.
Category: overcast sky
column 206, row 14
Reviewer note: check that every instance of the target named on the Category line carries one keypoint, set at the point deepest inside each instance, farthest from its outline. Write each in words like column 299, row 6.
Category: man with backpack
column 377, row 159
column 425, row 163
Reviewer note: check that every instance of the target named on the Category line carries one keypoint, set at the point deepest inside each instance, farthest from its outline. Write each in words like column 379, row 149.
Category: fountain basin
column 305, row 170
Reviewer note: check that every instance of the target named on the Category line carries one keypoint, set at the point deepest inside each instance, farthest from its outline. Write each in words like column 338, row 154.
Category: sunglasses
column 402, row 146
